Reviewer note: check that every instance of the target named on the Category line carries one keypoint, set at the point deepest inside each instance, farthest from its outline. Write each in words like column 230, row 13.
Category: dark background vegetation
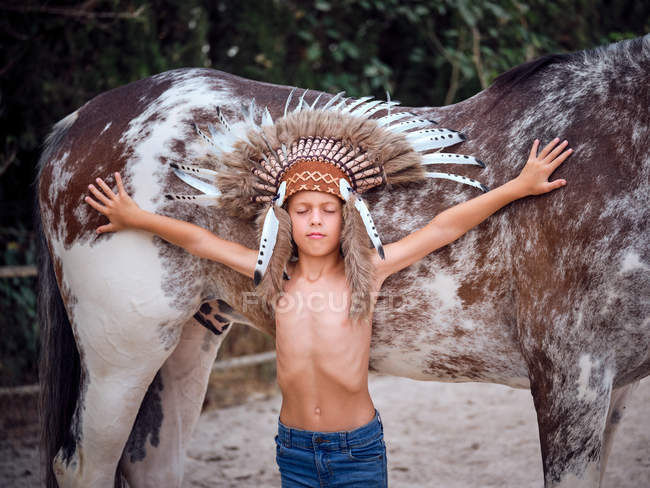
column 57, row 55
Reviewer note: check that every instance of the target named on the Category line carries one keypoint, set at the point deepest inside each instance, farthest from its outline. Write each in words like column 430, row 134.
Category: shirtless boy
column 329, row 432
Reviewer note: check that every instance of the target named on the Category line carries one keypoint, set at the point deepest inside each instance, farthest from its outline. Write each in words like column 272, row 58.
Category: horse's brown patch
column 93, row 150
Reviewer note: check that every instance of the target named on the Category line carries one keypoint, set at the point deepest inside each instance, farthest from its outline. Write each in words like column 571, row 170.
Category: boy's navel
column 317, row 411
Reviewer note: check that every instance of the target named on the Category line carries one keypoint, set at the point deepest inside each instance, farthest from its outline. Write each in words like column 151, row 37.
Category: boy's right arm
column 124, row 213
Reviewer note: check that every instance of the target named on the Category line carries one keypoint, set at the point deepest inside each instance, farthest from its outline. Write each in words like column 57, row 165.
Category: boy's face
column 316, row 212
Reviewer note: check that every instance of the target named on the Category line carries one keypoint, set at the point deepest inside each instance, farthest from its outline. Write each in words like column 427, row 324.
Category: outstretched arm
column 449, row 225
column 124, row 213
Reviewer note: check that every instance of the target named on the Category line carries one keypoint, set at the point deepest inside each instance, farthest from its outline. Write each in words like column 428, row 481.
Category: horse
column 550, row 293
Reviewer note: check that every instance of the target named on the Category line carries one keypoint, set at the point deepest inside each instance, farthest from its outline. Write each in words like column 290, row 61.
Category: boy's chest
column 315, row 304
column 313, row 327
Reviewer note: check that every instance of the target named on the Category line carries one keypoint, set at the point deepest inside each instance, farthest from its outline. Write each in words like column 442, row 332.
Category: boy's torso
column 322, row 357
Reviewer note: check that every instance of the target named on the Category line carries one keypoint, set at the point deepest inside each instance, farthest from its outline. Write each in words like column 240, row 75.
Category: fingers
column 109, row 193
column 99, row 195
column 105, row 228
column 553, row 185
column 96, row 205
column 560, row 159
column 547, row 148
column 555, row 152
column 120, row 185
column 533, row 151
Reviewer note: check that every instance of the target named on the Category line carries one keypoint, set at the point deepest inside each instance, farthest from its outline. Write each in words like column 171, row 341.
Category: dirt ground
column 438, row 434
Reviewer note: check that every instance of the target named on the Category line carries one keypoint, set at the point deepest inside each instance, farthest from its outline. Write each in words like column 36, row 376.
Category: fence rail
column 224, row 364
column 17, row 271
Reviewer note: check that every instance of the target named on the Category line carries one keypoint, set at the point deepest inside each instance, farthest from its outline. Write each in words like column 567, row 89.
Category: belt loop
column 286, row 437
column 343, row 440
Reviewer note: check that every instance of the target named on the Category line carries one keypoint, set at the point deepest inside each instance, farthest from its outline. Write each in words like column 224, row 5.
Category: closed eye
column 326, row 211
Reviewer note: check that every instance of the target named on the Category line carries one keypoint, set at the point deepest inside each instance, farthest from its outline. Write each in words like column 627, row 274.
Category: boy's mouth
column 315, row 235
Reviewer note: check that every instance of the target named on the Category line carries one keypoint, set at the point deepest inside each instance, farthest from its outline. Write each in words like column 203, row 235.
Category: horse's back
column 580, row 256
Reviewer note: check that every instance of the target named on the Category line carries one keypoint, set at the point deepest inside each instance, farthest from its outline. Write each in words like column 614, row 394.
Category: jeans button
column 319, row 440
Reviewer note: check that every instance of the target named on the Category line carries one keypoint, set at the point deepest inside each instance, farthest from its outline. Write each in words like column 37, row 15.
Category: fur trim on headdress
column 358, row 261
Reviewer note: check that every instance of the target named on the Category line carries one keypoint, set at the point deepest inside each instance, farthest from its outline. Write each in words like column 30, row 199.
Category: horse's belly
column 428, row 332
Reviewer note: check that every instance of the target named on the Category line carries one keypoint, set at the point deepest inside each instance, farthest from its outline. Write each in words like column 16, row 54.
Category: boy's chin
column 318, row 251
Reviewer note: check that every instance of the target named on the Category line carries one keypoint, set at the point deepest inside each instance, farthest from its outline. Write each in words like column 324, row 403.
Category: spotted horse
column 550, row 293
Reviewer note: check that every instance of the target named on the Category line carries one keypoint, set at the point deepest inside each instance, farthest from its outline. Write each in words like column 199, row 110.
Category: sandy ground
column 438, row 434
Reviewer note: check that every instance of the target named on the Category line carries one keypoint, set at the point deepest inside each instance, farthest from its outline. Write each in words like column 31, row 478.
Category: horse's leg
column 617, row 405
column 105, row 412
column 121, row 348
column 572, row 398
column 154, row 455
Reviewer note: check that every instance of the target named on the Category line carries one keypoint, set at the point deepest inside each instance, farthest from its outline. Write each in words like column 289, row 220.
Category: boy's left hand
column 533, row 179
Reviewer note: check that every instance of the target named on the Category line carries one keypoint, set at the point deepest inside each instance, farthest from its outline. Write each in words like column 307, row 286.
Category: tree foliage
column 56, row 55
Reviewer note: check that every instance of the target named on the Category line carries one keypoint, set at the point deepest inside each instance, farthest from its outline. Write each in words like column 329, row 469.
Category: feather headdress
column 336, row 148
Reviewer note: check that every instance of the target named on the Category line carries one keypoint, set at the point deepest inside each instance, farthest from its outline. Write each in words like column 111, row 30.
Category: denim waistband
column 329, row 441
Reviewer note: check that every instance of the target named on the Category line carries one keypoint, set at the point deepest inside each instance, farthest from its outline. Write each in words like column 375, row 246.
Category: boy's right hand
column 120, row 209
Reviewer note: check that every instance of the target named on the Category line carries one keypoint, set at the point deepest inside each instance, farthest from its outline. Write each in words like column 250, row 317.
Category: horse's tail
column 59, row 362
column 59, row 367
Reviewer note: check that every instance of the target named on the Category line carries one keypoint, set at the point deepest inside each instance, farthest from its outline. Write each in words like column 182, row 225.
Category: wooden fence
column 17, row 271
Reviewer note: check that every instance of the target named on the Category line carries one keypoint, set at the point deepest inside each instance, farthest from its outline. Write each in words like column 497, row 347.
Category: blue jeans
column 353, row 458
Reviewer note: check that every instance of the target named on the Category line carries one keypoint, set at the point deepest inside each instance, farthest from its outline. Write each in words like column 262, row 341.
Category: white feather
column 354, row 104
column 332, row 100
column 222, row 119
column 200, row 185
column 346, row 193
column 451, row 158
column 361, row 109
column 369, row 224
column 190, row 168
column 459, row 179
column 251, row 112
column 286, row 105
column 410, row 124
column 384, row 106
column 435, row 141
column 388, row 119
column 207, row 139
column 266, row 117
column 340, row 105
column 301, row 102
column 313, row 105
column 267, row 243
column 202, row 200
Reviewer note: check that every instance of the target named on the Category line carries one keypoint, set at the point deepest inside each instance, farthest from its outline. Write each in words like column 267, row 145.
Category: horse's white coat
column 585, row 391
column 631, row 261
column 150, row 140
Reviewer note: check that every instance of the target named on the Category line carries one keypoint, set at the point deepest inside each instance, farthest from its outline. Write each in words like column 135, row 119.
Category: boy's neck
column 314, row 268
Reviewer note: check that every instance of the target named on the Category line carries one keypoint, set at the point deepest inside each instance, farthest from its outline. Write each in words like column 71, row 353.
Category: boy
column 329, row 433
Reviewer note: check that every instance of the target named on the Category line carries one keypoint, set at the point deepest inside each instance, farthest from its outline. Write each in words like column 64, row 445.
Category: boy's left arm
column 449, row 225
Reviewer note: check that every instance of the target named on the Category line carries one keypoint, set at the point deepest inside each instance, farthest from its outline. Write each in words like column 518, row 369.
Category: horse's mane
column 629, row 49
